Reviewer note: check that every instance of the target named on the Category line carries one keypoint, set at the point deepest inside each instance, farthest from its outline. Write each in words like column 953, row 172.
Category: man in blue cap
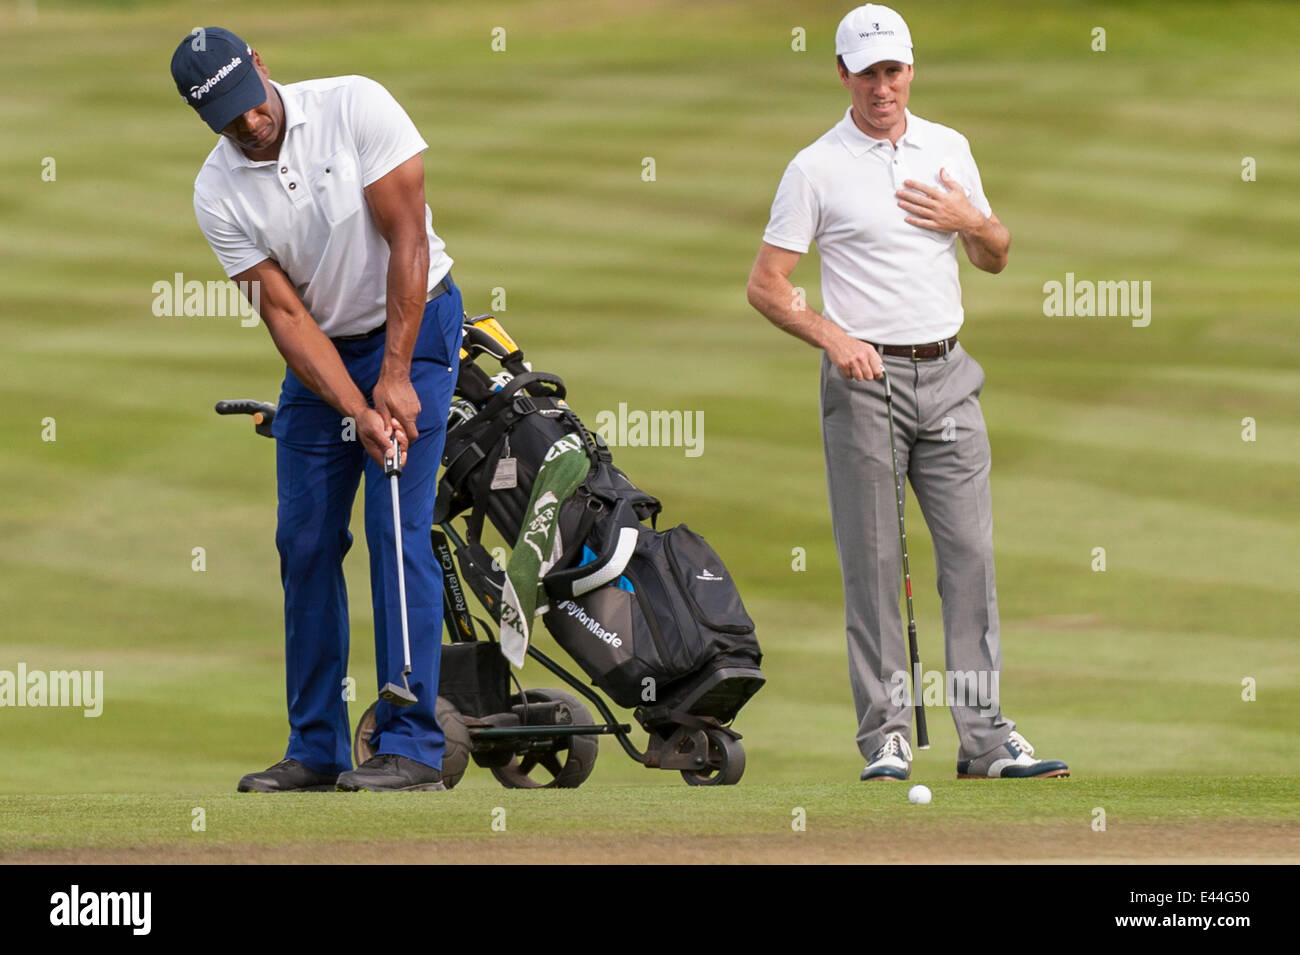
column 314, row 195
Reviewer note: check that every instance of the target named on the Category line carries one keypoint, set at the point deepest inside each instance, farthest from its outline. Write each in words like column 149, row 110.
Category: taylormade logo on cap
column 216, row 73
column 196, row 92
column 871, row 34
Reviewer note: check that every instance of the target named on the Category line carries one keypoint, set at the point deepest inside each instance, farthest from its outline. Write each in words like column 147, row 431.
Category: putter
column 399, row 695
column 922, row 736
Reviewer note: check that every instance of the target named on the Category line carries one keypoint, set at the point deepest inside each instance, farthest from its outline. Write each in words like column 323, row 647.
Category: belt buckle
column 914, row 358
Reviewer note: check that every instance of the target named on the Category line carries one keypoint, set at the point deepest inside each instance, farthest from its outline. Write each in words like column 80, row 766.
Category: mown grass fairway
column 1116, row 165
column 1165, row 819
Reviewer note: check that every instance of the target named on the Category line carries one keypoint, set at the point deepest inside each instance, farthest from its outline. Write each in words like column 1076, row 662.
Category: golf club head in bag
column 484, row 335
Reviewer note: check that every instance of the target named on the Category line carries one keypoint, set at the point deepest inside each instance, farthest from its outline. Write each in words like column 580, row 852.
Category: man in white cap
column 886, row 195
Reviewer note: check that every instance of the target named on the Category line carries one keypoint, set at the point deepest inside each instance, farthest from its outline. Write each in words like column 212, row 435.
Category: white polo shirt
column 306, row 210
column 883, row 280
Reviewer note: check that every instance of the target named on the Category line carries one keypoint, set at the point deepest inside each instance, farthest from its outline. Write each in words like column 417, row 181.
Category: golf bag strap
column 474, row 523
column 485, row 431
column 528, row 381
column 460, row 461
column 494, row 437
column 501, row 412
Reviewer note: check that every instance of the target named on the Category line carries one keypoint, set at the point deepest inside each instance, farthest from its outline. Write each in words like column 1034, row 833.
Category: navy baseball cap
column 214, row 73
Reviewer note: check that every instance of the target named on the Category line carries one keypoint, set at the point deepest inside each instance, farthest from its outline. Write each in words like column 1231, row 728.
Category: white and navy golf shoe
column 1014, row 759
column 892, row 761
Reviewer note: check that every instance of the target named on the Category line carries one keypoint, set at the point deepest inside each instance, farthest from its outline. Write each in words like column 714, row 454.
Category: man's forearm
column 408, row 291
column 315, row 361
column 777, row 302
column 987, row 244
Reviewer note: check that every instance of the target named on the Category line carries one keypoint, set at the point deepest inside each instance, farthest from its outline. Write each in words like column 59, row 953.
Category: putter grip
column 393, row 460
column 918, row 701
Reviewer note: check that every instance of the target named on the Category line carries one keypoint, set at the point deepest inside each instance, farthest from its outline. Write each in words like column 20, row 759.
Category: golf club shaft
column 401, row 571
column 914, row 655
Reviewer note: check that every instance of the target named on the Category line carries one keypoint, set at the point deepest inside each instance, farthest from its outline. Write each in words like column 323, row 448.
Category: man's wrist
column 978, row 222
column 355, row 407
column 395, row 374
column 830, row 333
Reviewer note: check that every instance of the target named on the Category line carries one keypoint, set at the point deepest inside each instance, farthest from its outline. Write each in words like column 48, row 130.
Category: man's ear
column 844, row 74
column 259, row 65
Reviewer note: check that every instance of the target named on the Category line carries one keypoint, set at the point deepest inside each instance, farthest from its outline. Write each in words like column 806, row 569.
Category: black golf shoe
column 387, row 772
column 288, row 776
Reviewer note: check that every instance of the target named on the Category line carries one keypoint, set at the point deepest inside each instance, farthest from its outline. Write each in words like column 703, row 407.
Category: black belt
column 442, row 288
column 925, row 352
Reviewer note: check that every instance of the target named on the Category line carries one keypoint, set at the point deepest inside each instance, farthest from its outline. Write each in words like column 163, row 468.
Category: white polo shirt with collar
column 307, row 210
column 883, row 279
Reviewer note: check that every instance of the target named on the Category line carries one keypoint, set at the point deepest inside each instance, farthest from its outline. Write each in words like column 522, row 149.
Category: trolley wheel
column 455, row 757
column 726, row 762
column 568, row 761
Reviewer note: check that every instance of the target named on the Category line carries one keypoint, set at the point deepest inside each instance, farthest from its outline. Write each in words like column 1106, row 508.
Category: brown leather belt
column 918, row 352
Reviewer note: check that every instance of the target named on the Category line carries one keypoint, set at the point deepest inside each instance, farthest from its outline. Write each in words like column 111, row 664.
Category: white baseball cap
column 870, row 34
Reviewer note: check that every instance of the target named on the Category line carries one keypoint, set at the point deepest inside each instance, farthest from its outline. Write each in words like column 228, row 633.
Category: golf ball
column 919, row 795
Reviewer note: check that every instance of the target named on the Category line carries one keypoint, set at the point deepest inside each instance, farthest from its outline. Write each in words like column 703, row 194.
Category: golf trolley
column 542, row 737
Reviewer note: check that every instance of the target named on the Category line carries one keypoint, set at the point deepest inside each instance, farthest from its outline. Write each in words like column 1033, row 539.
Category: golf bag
column 652, row 617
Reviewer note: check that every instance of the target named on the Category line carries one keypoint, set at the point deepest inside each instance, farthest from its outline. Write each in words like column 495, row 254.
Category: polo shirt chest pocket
column 336, row 187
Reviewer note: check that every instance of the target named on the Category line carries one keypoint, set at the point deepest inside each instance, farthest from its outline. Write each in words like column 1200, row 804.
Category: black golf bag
column 652, row 617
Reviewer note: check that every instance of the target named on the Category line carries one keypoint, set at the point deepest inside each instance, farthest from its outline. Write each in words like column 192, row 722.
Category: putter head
column 398, row 695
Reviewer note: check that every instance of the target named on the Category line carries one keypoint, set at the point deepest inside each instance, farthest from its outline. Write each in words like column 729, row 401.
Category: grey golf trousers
column 943, row 451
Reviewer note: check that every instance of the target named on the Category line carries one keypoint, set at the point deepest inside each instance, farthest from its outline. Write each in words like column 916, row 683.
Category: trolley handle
column 263, row 412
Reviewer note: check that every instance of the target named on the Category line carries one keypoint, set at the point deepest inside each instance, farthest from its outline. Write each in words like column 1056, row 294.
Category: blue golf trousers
column 319, row 463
